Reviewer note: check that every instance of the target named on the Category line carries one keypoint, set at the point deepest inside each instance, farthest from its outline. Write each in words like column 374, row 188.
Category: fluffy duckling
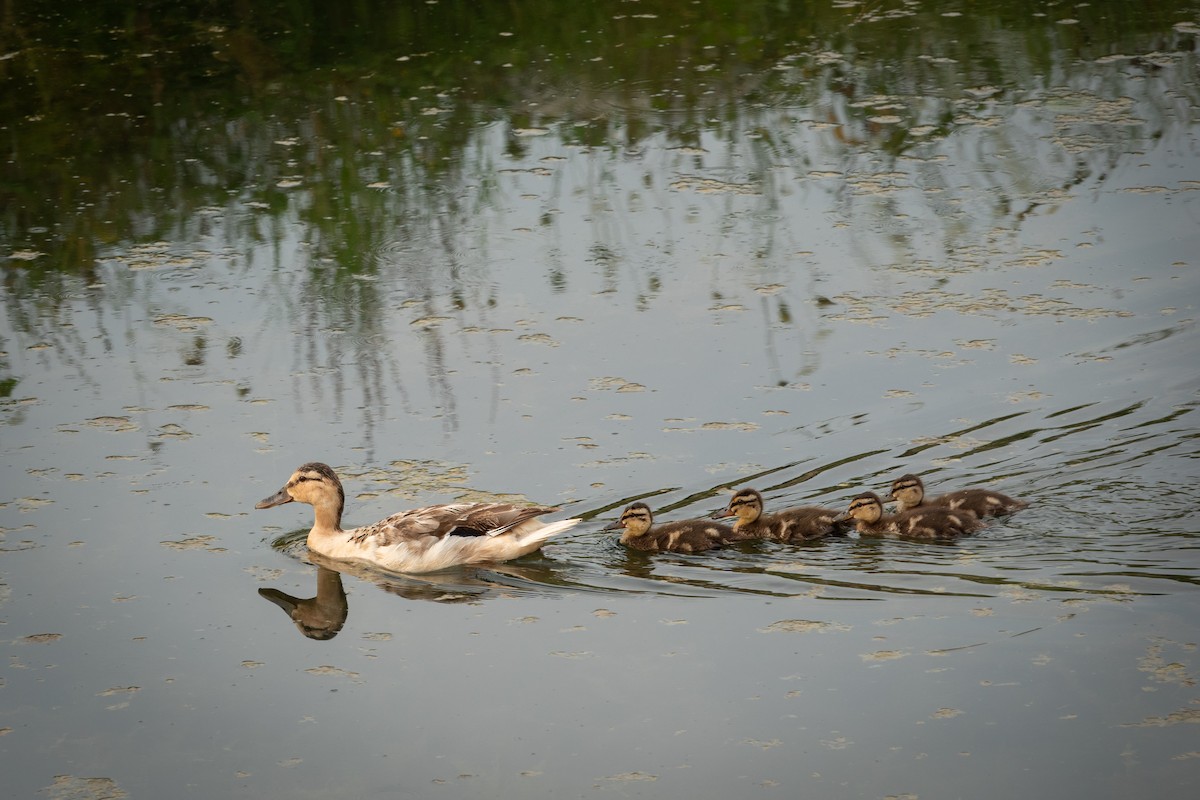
column 789, row 525
column 924, row 523
column 686, row 536
column 909, row 492
column 420, row 540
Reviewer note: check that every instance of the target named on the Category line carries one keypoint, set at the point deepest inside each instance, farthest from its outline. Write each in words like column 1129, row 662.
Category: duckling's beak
column 277, row 499
column 615, row 525
column 842, row 517
column 724, row 512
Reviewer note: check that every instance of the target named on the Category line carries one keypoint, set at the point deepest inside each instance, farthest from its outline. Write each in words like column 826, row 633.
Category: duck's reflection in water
column 323, row 616
column 319, row 617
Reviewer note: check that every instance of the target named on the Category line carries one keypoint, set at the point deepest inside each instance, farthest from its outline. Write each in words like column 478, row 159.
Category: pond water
column 580, row 256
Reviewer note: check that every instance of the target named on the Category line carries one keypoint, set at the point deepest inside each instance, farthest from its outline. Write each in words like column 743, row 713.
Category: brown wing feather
column 494, row 519
column 982, row 502
column 470, row 519
column 797, row 524
column 685, row 536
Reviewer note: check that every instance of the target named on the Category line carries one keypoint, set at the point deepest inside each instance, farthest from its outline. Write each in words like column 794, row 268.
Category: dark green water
column 585, row 253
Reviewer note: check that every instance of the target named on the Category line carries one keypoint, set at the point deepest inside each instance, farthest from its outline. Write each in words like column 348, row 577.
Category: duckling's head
column 746, row 504
column 908, row 491
column 636, row 519
column 316, row 484
column 867, row 507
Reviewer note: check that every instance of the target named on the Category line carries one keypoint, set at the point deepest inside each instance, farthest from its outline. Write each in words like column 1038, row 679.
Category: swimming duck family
column 909, row 492
column 934, row 522
column 800, row 524
column 441, row 536
column 421, row 539
column 683, row 536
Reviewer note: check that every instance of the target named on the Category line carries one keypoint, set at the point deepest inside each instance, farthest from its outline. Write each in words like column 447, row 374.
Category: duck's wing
column 982, row 502
column 805, row 522
column 493, row 519
column 936, row 522
column 691, row 536
column 450, row 519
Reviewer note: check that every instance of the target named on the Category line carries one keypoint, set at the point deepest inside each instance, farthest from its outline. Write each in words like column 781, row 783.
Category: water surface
column 581, row 256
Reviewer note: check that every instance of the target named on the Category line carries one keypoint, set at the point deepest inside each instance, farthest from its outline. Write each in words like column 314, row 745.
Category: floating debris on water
column 632, row 776
column 802, row 626
column 69, row 787
column 617, row 384
column 182, row 322
column 195, row 543
column 326, row 670
column 114, row 424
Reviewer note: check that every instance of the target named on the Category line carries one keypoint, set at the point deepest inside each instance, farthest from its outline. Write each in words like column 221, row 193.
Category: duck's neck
column 634, row 538
column 327, row 517
column 330, row 593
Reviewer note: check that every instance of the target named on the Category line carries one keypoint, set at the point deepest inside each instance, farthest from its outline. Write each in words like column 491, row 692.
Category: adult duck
column 419, row 540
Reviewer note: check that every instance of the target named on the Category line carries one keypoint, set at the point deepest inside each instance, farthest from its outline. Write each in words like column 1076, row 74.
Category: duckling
column 419, row 540
column 909, row 492
column 686, row 536
column 790, row 525
column 923, row 523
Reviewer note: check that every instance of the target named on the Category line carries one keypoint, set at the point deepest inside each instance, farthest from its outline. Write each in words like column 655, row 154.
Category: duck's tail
column 538, row 536
column 521, row 540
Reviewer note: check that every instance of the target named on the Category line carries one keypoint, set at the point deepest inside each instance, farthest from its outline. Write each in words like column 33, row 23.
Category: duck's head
column 908, row 491
column 319, row 617
column 867, row 507
column 636, row 519
column 315, row 483
column 746, row 504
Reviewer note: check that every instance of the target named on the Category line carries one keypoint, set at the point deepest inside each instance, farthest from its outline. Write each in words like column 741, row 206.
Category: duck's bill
column 722, row 514
column 277, row 499
column 284, row 601
column 614, row 526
